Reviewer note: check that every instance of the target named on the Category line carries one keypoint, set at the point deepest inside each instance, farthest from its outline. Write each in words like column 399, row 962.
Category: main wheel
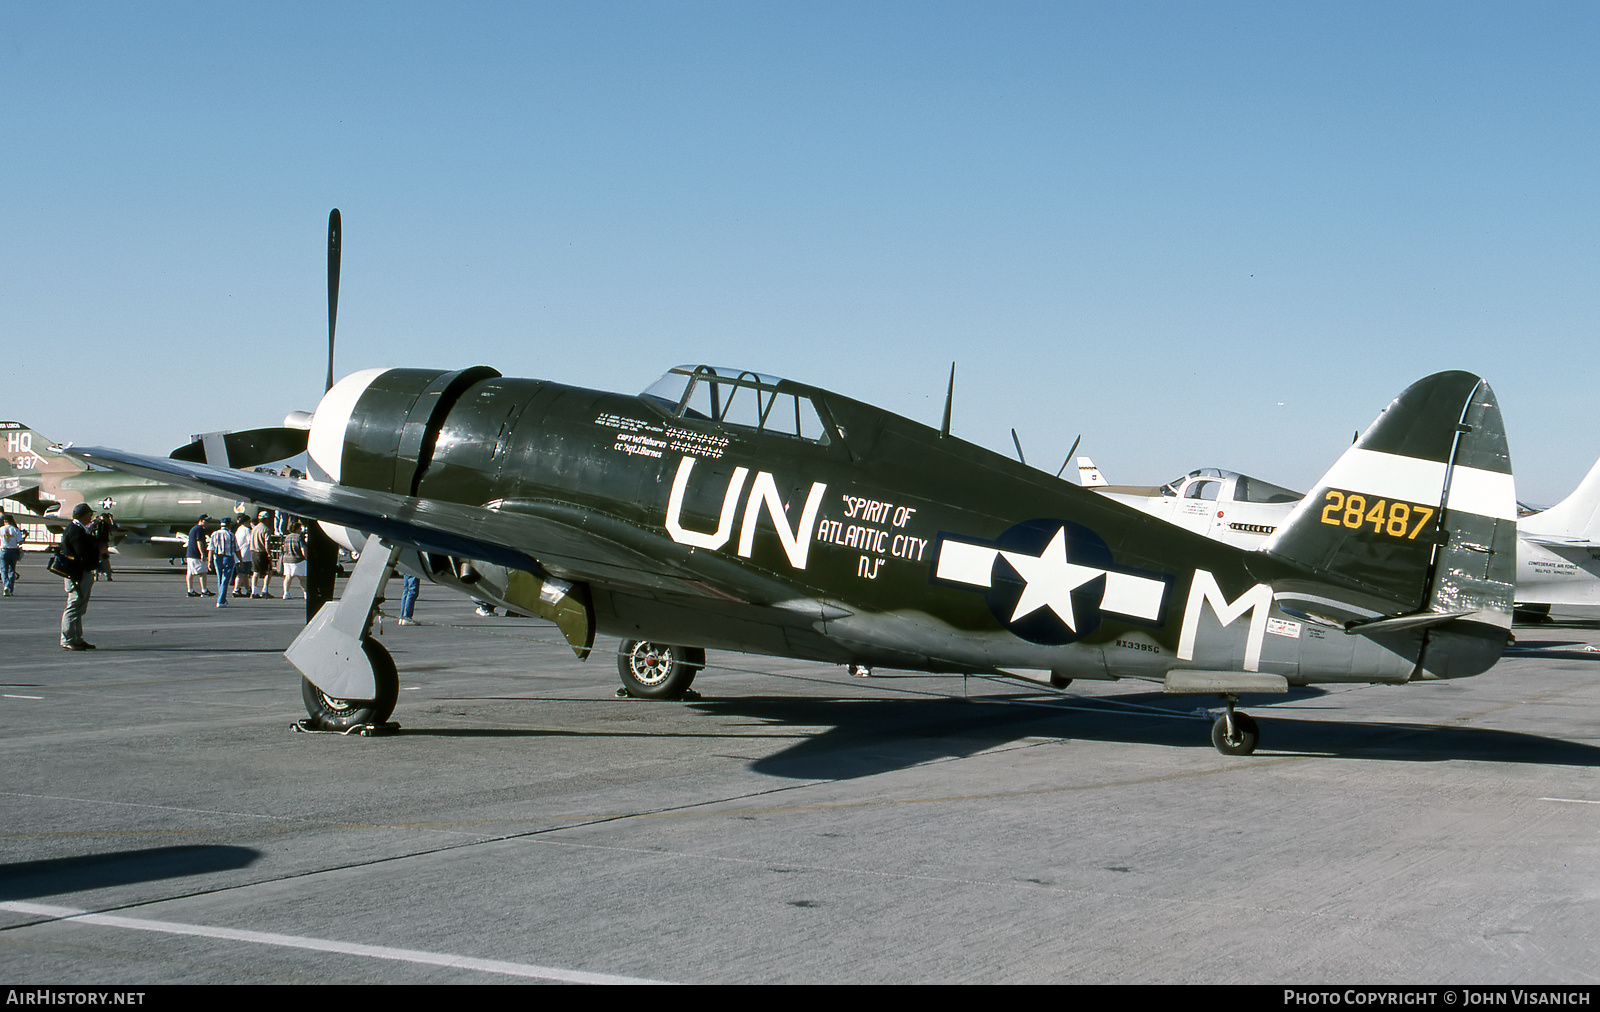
column 329, row 713
column 1244, row 737
column 652, row 670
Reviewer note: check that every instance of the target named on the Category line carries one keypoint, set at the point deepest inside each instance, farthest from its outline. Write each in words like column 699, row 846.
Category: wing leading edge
column 492, row 535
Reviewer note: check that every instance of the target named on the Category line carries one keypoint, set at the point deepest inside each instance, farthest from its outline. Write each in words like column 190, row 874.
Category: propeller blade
column 322, row 555
column 1018, row 443
column 333, row 286
column 949, row 399
column 1070, row 452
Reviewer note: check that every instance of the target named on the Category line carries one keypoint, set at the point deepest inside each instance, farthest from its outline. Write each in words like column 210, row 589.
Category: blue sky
column 1196, row 233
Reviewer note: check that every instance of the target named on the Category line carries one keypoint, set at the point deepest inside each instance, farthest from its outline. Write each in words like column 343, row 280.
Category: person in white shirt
column 11, row 539
column 223, row 552
column 241, row 578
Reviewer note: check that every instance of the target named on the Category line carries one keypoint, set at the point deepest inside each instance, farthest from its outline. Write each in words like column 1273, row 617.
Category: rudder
column 1415, row 525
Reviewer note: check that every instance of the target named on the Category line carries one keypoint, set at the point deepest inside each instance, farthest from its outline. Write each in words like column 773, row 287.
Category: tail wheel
column 653, row 670
column 329, row 713
column 1243, row 739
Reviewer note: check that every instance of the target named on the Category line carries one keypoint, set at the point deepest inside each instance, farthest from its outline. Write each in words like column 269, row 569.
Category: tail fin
column 27, row 461
column 1416, row 523
column 1574, row 520
column 1089, row 475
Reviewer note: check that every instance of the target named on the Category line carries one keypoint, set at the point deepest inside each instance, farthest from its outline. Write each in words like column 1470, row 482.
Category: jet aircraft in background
column 1558, row 549
column 152, row 516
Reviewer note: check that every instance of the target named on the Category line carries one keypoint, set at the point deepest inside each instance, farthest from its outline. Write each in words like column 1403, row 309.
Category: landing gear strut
column 1234, row 733
column 350, row 679
column 653, row 670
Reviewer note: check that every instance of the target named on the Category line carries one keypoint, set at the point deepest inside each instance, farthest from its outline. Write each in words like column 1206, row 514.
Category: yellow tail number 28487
column 1396, row 519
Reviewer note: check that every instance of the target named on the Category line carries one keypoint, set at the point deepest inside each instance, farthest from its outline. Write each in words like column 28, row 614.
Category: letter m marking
column 1203, row 590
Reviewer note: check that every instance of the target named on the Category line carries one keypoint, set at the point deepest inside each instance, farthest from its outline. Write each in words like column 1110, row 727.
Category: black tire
column 1245, row 734
column 653, row 670
column 329, row 713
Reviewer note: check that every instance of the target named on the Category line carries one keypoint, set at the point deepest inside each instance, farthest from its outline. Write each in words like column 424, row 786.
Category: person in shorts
column 194, row 559
column 261, row 558
column 294, row 558
column 241, row 569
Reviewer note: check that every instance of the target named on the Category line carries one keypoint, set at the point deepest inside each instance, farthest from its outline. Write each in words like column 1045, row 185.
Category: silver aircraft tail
column 1572, row 522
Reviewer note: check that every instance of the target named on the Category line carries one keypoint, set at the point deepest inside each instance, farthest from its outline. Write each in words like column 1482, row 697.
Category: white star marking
column 1050, row 580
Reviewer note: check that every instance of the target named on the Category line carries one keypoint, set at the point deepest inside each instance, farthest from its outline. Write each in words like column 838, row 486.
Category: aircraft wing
column 540, row 537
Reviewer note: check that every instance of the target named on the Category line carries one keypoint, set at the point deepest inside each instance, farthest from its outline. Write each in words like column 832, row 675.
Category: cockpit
column 1212, row 484
column 738, row 397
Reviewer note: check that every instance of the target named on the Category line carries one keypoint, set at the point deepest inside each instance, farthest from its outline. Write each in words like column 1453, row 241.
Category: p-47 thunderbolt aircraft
column 734, row 510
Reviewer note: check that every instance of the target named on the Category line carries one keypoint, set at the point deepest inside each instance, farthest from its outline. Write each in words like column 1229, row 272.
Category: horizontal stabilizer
column 1416, row 620
column 249, row 447
column 10, row 488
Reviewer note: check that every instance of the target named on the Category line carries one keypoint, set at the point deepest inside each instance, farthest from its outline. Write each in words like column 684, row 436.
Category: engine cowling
column 378, row 428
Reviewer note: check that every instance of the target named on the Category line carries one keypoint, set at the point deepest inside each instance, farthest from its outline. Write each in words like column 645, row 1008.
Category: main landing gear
column 653, row 670
column 1234, row 733
column 330, row 713
column 350, row 680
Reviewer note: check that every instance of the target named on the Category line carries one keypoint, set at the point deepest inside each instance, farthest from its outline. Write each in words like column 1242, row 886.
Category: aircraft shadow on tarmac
column 192, row 648
column 1564, row 650
column 56, row 876
column 1558, row 623
column 866, row 737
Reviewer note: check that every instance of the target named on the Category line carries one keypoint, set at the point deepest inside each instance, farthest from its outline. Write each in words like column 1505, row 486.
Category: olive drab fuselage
column 853, row 535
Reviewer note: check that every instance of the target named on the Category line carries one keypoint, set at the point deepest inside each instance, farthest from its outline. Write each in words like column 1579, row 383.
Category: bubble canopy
column 737, row 397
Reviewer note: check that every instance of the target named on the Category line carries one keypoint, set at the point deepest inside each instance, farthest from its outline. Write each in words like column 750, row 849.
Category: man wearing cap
column 261, row 557
column 223, row 548
column 194, row 558
column 82, row 554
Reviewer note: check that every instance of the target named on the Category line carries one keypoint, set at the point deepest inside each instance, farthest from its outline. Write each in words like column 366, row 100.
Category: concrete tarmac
column 161, row 822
